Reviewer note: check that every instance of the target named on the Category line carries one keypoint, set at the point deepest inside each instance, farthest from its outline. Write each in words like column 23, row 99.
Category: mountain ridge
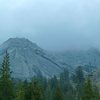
column 27, row 59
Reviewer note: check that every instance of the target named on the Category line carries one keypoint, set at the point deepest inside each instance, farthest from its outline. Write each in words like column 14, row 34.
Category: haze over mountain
column 53, row 25
column 49, row 49
column 28, row 60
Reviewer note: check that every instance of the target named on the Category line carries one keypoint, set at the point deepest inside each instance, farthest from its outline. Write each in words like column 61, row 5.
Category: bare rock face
column 80, row 57
column 28, row 60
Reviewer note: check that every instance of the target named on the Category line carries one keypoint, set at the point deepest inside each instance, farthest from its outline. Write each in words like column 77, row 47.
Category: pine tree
column 27, row 90
column 65, row 81
column 58, row 94
column 88, row 90
column 48, row 93
column 20, row 95
column 53, row 82
column 37, row 92
column 79, row 81
column 6, row 85
column 65, row 85
column 96, row 93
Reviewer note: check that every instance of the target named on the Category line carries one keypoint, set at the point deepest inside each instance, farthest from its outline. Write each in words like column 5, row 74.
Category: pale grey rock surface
column 28, row 60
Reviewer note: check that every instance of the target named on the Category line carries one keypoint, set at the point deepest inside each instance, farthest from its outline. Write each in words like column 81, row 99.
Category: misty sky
column 52, row 24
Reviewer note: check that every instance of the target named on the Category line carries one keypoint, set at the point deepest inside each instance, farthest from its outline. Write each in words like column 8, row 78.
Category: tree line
column 64, row 87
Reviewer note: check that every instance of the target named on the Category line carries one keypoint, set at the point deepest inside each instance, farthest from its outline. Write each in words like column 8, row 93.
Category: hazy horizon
column 53, row 25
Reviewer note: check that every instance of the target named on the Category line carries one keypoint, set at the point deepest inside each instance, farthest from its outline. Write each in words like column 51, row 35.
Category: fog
column 52, row 24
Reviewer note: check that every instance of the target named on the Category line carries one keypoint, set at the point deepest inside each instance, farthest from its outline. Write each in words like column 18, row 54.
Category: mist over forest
column 53, row 25
column 49, row 50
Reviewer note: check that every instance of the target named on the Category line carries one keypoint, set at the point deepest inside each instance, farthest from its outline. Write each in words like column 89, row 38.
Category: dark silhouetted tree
column 88, row 90
column 57, row 94
column 6, row 85
column 79, row 82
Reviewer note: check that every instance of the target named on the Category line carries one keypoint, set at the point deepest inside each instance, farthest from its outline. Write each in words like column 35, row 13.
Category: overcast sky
column 52, row 24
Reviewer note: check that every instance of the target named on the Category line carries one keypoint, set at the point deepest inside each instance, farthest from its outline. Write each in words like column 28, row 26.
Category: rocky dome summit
column 28, row 60
column 19, row 42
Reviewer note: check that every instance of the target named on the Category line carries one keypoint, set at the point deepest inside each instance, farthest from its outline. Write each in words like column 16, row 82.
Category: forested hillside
column 75, row 87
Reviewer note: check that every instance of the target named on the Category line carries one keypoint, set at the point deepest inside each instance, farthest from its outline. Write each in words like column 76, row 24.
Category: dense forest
column 65, row 87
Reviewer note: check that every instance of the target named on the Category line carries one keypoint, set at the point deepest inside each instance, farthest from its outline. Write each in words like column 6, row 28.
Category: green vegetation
column 6, row 85
column 79, row 87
